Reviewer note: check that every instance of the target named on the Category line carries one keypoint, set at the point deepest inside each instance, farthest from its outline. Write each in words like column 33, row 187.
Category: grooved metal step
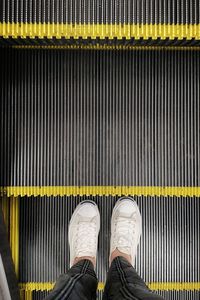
column 99, row 118
column 167, row 253
column 101, row 124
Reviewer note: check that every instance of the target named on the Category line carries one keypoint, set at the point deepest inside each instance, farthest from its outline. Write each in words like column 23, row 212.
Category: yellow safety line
column 100, row 190
column 27, row 295
column 177, row 286
column 5, row 202
column 102, row 31
column 163, row 286
column 36, row 286
column 14, row 232
column 106, row 47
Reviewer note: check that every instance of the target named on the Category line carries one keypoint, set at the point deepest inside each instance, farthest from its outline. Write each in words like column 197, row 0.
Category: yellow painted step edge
column 162, row 286
column 100, row 190
column 102, row 31
column 5, row 205
column 14, row 232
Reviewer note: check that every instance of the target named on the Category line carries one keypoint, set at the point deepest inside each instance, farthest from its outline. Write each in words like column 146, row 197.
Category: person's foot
column 126, row 229
column 83, row 232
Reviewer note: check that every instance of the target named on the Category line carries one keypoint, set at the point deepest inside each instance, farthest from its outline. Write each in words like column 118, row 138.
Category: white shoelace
column 86, row 240
column 124, row 235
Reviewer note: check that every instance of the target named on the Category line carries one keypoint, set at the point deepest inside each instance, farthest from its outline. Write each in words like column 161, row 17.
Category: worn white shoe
column 83, row 230
column 126, row 227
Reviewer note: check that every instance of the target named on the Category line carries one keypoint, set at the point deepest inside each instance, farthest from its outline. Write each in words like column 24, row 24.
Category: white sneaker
column 83, row 230
column 126, row 227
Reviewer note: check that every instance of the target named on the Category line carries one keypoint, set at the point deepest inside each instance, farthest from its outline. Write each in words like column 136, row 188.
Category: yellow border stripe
column 162, row 286
column 36, row 286
column 100, row 190
column 105, row 47
column 5, row 203
column 26, row 295
column 102, row 31
column 177, row 286
column 14, row 232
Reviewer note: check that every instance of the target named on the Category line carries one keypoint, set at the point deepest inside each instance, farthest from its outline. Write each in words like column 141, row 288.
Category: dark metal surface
column 168, row 250
column 99, row 43
column 99, row 118
column 100, row 11
column 180, row 295
column 39, row 295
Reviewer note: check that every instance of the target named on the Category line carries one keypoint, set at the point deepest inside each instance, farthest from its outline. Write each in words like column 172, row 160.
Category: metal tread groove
column 99, row 118
column 101, row 12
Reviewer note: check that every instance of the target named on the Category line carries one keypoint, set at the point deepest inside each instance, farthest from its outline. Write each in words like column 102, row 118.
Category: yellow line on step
column 5, row 205
column 36, row 286
column 100, row 190
column 162, row 286
column 102, row 31
column 14, row 232
column 177, row 286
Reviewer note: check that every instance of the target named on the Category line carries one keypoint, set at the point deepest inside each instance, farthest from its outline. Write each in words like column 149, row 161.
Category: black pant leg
column 80, row 282
column 123, row 282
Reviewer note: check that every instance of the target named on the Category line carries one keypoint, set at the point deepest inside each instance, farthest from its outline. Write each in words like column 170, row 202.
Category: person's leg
column 80, row 282
column 123, row 282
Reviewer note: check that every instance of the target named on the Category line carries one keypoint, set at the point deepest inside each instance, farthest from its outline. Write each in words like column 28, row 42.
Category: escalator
column 101, row 99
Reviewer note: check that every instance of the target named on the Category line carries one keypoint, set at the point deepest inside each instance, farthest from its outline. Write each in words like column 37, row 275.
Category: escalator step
column 168, row 250
column 99, row 118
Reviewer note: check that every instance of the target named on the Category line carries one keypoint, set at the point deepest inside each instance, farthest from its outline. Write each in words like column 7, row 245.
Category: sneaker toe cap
column 127, row 207
column 88, row 210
